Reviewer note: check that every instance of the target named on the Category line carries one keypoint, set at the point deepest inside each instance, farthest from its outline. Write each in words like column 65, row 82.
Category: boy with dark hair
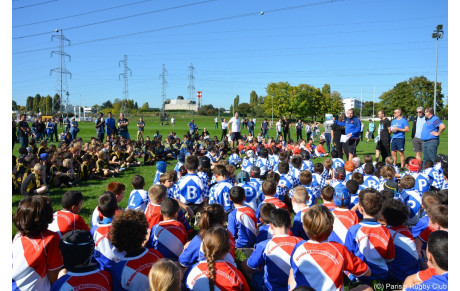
column 104, row 252
column 219, row 193
column 272, row 254
column 435, row 179
column 317, row 177
column 369, row 240
column 336, row 161
column 138, row 198
column 395, row 214
column 242, row 221
column 128, row 232
column 412, row 198
column 264, row 228
column 68, row 219
column 77, row 247
column 286, row 182
column 269, row 190
column 168, row 236
column 353, row 188
column 191, row 189
column 309, row 267
column 343, row 218
column 118, row 189
column 327, row 194
column 437, row 252
column 370, row 181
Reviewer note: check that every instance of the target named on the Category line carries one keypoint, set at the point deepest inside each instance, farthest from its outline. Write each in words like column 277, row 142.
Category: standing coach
column 431, row 131
column 353, row 132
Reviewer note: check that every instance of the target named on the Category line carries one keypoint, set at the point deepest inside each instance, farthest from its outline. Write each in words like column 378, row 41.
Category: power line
column 117, row 19
column 36, row 4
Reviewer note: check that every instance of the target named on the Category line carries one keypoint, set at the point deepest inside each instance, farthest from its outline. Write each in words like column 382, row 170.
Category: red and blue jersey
column 275, row 201
column 138, row 200
column 169, row 238
column 372, row 243
column 252, row 197
column 91, row 280
column 274, row 255
column 220, row 194
column 33, row 257
column 371, row 181
column 132, row 273
column 105, row 253
column 227, row 277
column 413, row 199
column 321, row 265
column 65, row 221
column 194, row 252
column 297, row 226
column 191, row 189
column 406, row 257
column 242, row 223
column 343, row 220
column 438, row 282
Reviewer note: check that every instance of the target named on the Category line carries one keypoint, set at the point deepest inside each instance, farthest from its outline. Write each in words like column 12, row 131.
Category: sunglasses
column 419, row 112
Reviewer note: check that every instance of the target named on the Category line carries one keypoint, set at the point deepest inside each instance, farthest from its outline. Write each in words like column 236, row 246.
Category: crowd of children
column 354, row 223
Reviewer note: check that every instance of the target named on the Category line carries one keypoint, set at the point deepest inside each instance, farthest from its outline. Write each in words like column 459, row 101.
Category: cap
column 44, row 156
column 250, row 153
column 415, row 165
column 349, row 166
column 161, row 166
column 342, row 196
column 77, row 247
column 255, row 172
column 340, row 173
column 242, row 177
column 390, row 185
column 204, row 162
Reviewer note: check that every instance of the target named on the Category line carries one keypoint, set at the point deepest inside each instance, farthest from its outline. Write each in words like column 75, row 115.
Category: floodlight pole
column 438, row 33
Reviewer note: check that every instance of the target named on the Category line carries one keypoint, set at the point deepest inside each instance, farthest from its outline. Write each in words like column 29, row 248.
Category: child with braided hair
column 214, row 271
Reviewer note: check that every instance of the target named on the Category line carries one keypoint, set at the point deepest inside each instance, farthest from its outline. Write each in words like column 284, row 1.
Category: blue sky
column 349, row 44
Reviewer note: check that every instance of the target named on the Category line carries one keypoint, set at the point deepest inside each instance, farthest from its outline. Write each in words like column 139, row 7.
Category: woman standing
column 74, row 128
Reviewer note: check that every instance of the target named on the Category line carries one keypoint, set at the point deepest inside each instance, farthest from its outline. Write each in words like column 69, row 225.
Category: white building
column 350, row 103
column 180, row 104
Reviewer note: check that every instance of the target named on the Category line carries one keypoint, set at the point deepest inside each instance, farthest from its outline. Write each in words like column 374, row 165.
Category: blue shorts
column 398, row 144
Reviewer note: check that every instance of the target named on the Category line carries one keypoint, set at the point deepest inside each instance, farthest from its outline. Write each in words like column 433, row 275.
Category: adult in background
column 399, row 127
column 49, row 129
column 362, row 129
column 308, row 130
column 383, row 143
column 39, row 129
column 66, row 124
column 140, row 128
column 336, row 134
column 173, row 121
column 24, row 131
column 55, row 129
column 371, row 130
column 100, row 127
column 352, row 130
column 286, row 129
column 327, row 132
column 110, row 124
column 224, row 126
column 216, row 123
column 235, row 132
column 417, row 127
column 74, row 128
column 264, row 128
column 15, row 138
column 191, row 126
column 298, row 129
column 123, row 126
column 279, row 128
column 431, row 131
column 250, row 124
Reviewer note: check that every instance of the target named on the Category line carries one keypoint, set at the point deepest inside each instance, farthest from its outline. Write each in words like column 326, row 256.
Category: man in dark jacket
column 353, row 133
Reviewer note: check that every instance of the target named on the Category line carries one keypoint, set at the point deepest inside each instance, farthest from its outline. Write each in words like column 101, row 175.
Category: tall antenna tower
column 164, row 83
column 191, row 87
column 125, row 82
column 62, row 72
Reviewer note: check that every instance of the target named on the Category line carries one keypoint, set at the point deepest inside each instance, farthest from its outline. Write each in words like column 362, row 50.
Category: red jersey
column 65, row 221
column 153, row 214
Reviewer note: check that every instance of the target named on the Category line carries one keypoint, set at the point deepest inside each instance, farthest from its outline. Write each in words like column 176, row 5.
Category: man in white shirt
column 224, row 126
column 278, row 129
column 235, row 132
column 173, row 120
column 216, row 123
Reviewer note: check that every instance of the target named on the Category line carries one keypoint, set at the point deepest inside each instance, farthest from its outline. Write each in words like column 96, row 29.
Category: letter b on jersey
column 191, row 192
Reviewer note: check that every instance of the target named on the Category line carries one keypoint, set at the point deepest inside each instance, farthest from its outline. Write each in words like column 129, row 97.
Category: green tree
column 253, row 99
column 15, row 106
column 56, row 103
column 236, row 102
column 107, row 104
column 279, row 95
column 336, row 104
column 30, row 103
column 326, row 89
column 48, row 105
column 145, row 106
column 135, row 105
column 308, row 101
column 244, row 109
column 36, row 103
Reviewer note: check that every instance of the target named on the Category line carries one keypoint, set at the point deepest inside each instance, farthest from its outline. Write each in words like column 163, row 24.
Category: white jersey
column 235, row 124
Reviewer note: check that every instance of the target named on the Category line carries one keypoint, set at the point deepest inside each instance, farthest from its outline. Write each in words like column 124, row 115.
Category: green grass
column 92, row 189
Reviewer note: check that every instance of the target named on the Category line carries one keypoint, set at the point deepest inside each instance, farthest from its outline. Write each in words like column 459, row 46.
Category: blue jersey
column 220, row 194
column 430, row 125
column 97, row 279
column 203, row 176
column 420, row 227
column 307, row 165
column 274, row 256
column 422, row 181
column 312, row 195
column 297, row 226
column 252, row 199
column 274, row 162
column 242, row 223
column 438, row 282
column 177, row 167
column 337, row 162
column 287, row 181
column 264, row 165
column 191, row 189
column 406, row 257
column 138, row 200
column 371, row 181
column 248, row 163
column 401, row 124
column 295, row 174
column 413, row 200
column 234, row 159
column 156, row 179
column 352, row 125
column 434, row 177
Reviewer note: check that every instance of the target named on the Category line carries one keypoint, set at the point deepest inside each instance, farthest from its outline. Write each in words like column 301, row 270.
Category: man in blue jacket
column 353, row 132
